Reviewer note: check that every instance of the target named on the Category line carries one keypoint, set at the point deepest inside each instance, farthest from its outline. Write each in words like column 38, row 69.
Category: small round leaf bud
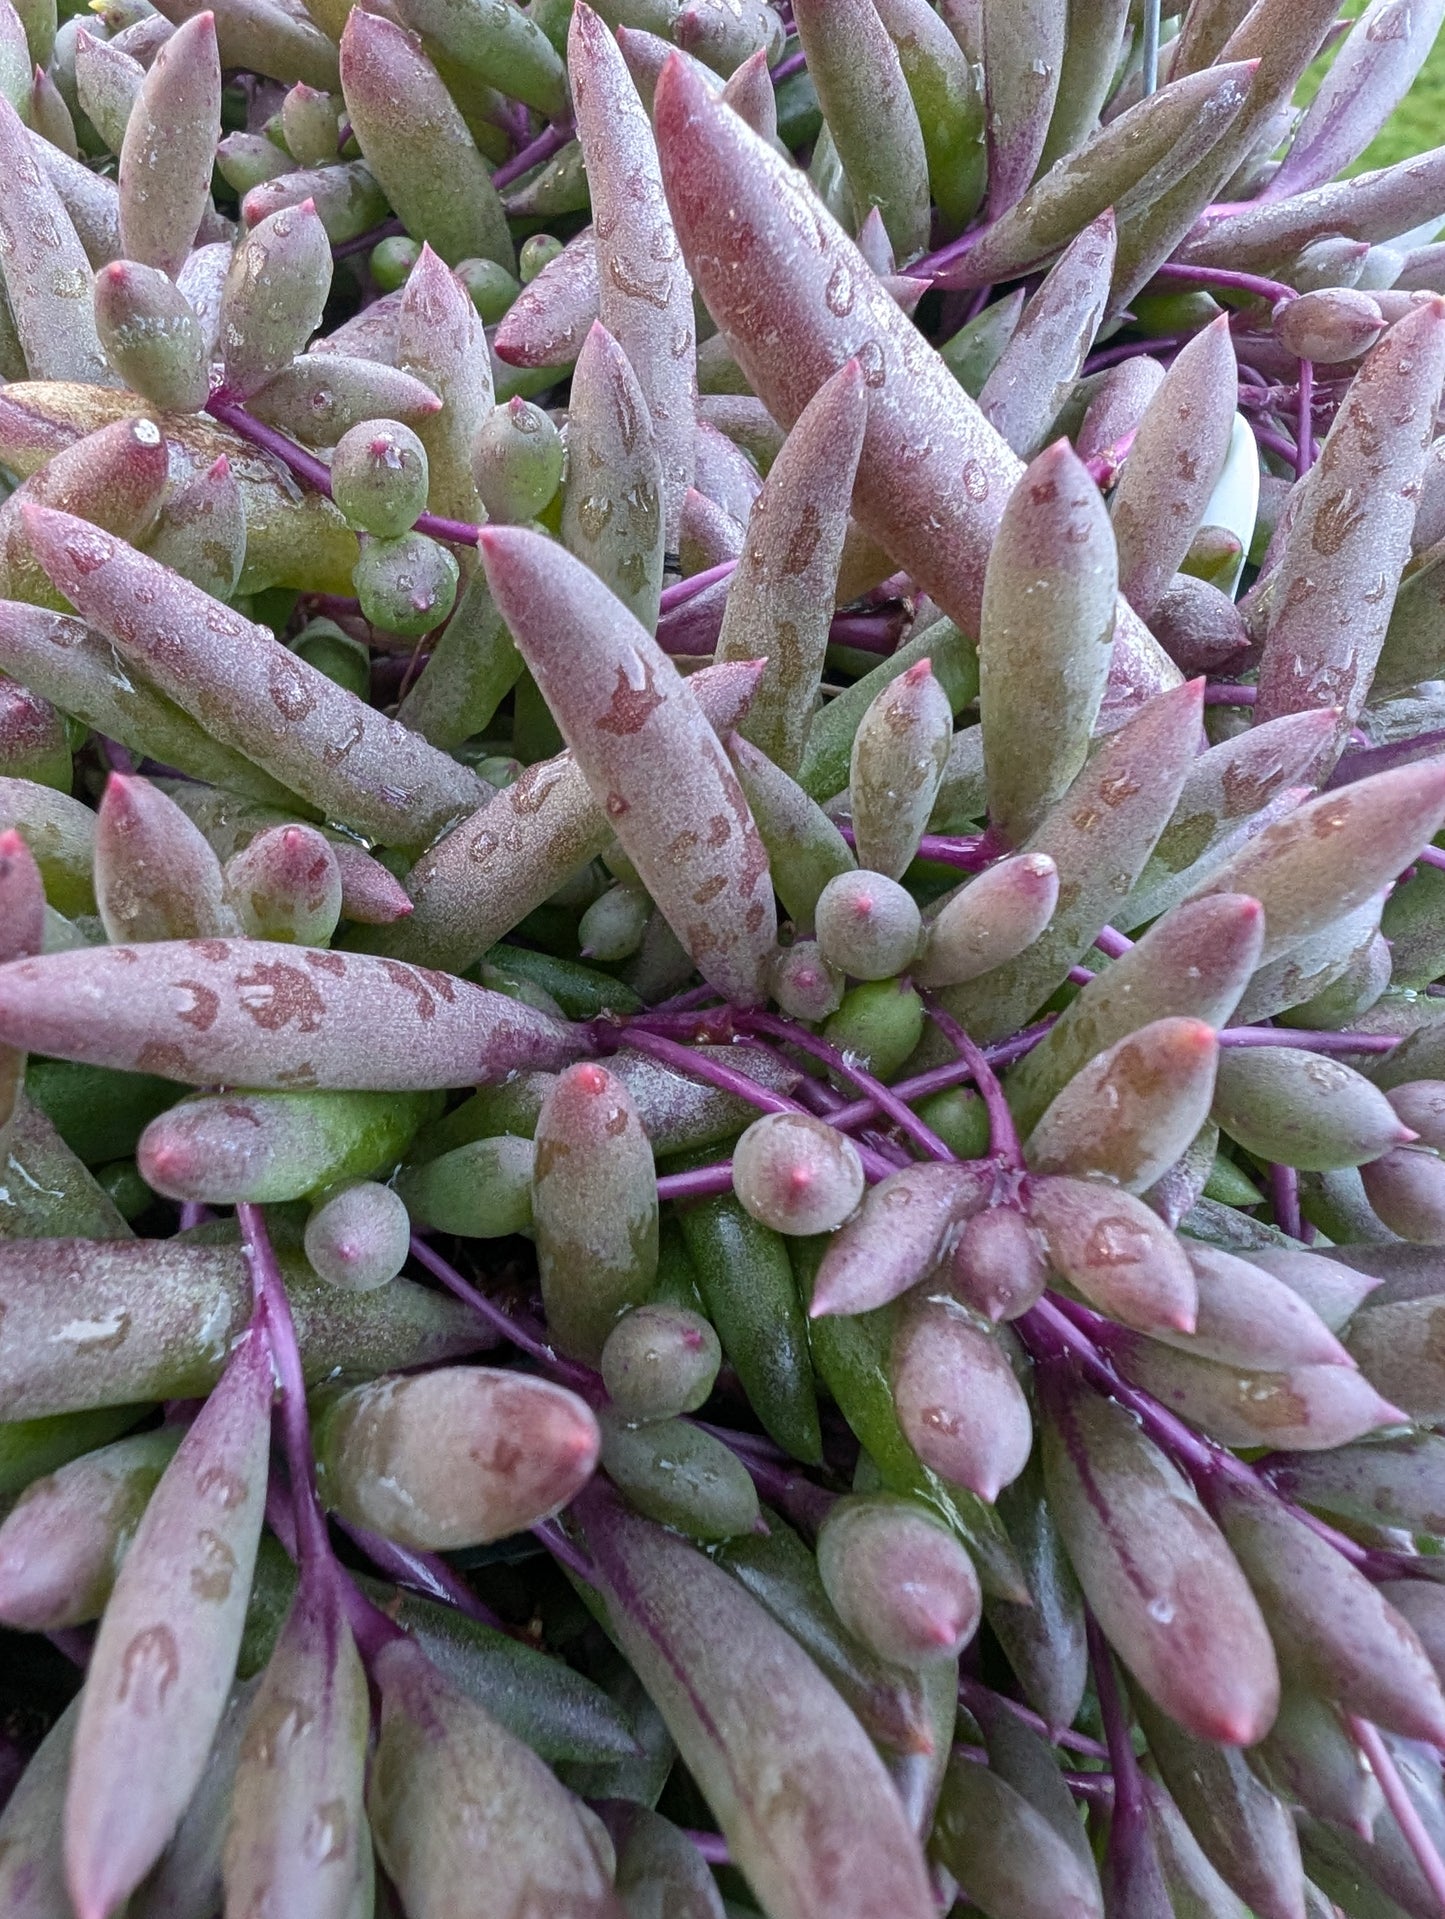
column 407, row 585
column 613, row 925
column 392, row 260
column 151, row 336
column 898, row 1580
column 1330, row 325
column 357, row 1237
column 660, row 1361
column 868, row 925
column 805, row 985
column 538, row 252
column 311, row 124
column 516, row 461
column 379, row 477
column 492, row 288
column 797, row 1174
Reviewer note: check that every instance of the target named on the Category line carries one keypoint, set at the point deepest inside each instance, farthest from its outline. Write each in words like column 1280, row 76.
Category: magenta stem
column 1131, row 350
column 702, row 1182
column 1304, row 457
column 790, row 64
column 549, row 141
column 1275, row 443
column 1271, row 290
column 314, row 472
column 969, row 852
column 1003, row 1134
column 1112, row 943
column 712, row 1845
column 1228, row 693
column 1308, row 1041
column 549, row 1534
column 973, row 1692
column 1431, row 856
column 1284, row 1198
column 1398, row 1799
column 717, row 1073
column 425, row 1573
column 524, row 1334
column 1128, row 1786
column 681, row 591
column 884, row 1099
column 364, row 242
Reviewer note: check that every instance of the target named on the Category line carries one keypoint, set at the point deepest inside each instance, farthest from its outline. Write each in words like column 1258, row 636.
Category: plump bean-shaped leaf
column 1334, row 854
column 156, row 877
column 296, row 1826
column 1243, row 1828
column 353, row 764
column 548, row 321
column 871, row 115
column 594, row 1201
column 898, row 1235
column 1304, row 1409
column 456, row 1457
column 265, row 1147
column 1158, row 1573
column 1225, row 791
column 497, row 45
column 612, row 506
column 60, row 833
column 132, row 1320
column 1334, row 1630
column 1176, row 459
column 805, row 848
column 680, row 1476
column 166, row 1651
column 781, row 594
column 417, row 143
column 1351, row 536
column 898, row 1579
column 797, row 1174
column 1193, row 964
column 835, row 1842
column 1303, row 1108
column 1367, row 79
column 936, row 515
column 1044, row 1640
column 170, row 144
column 1123, row 165
column 1098, row 836
column 63, row 1539
column 151, row 336
column 642, row 741
column 320, row 397
column 1116, row 1252
column 644, row 292
column 990, row 921
column 959, row 1405
column 899, row 753
column 467, row 1821
column 948, row 97
column 1023, row 395
column 196, row 1010
column 1049, row 594
column 1248, row 1318
column 286, row 886
column 114, row 478
column 69, row 663
column 746, row 1281
column 1023, row 54
column 479, row 880
column 47, row 276
column 273, row 298
column 47, row 1189
column 440, row 340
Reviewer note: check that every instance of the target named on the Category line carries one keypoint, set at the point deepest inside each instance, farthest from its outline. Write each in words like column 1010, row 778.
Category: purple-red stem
column 425, row 1573
column 1397, row 1798
column 550, row 140
column 1003, row 1134
column 729, row 1080
column 1308, row 1041
column 1128, row 1784
column 969, row 852
column 524, row 1334
column 883, row 1097
column 1271, row 290
column 1228, row 693
column 1112, row 943
column 314, row 472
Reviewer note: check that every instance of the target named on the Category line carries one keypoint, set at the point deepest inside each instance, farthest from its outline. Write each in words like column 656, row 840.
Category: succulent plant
column 787, row 659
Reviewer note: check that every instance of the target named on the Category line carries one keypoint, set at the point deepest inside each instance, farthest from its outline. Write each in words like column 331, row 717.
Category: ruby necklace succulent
column 721, row 952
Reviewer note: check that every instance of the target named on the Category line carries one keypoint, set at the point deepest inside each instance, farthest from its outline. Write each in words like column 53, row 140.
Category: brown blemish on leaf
column 631, row 706
column 276, row 995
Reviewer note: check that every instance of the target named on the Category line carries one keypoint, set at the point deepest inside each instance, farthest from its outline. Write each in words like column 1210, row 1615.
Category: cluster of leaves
column 879, row 845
